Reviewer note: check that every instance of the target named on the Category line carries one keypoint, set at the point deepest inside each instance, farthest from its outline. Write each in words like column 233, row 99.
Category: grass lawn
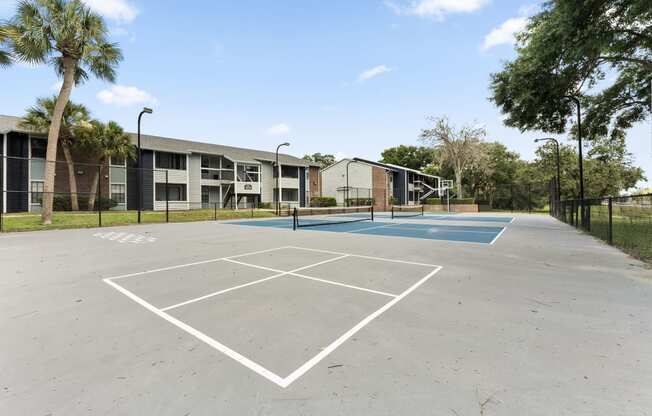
column 632, row 229
column 62, row 220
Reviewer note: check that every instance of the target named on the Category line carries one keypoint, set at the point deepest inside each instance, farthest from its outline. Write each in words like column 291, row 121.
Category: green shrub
column 265, row 205
column 359, row 202
column 462, row 201
column 323, row 201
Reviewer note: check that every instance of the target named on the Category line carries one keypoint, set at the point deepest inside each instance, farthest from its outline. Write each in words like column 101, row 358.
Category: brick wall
column 313, row 178
column 379, row 183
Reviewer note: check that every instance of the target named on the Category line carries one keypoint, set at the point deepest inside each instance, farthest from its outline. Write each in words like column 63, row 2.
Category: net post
column 392, row 211
column 423, row 210
column 294, row 219
column 372, row 213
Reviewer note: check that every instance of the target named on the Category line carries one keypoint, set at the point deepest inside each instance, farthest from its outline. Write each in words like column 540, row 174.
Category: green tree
column 458, row 148
column 69, row 36
column 322, row 160
column 101, row 141
column 39, row 118
column 575, row 47
column 413, row 157
column 494, row 169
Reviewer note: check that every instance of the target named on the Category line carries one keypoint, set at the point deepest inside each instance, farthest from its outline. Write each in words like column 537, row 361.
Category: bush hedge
column 359, row 202
column 462, row 201
column 323, row 201
column 62, row 203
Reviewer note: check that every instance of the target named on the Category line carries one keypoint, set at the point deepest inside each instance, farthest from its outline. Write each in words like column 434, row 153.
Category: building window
column 39, row 148
column 176, row 192
column 248, row 173
column 290, row 195
column 210, row 162
column 118, row 192
column 174, row 161
column 37, row 192
column 117, row 161
column 205, row 195
column 289, row 172
column 210, row 174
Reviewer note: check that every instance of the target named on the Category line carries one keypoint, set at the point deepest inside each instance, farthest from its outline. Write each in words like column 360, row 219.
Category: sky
column 350, row 78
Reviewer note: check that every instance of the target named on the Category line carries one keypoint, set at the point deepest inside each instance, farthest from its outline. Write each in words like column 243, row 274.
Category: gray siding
column 267, row 186
column 194, row 180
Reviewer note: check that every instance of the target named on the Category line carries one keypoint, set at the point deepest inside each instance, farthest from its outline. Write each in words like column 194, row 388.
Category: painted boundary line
column 252, row 365
column 497, row 237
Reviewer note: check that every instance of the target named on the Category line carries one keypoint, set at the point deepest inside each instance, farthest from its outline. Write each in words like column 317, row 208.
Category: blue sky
column 344, row 77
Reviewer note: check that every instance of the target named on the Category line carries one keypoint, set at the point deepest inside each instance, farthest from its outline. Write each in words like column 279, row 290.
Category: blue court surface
column 453, row 217
column 461, row 233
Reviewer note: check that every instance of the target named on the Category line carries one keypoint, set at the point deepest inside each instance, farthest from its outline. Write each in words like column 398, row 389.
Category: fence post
column 610, row 230
column 215, row 208
column 511, row 192
column 99, row 194
column 167, row 198
column 2, row 208
column 529, row 198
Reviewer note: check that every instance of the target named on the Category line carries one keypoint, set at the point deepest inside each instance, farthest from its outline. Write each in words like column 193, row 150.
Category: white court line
column 163, row 269
column 330, row 348
column 372, row 228
column 279, row 274
column 201, row 336
column 257, row 368
column 498, row 236
column 331, row 282
column 367, row 257
column 451, row 231
column 220, row 292
column 255, row 252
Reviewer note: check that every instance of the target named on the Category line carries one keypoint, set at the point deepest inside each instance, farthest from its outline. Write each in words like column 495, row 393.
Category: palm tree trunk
column 69, row 66
column 95, row 182
column 72, row 179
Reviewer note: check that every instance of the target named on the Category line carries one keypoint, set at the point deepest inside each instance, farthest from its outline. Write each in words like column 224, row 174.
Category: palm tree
column 100, row 142
column 69, row 36
column 5, row 56
column 39, row 118
column 458, row 148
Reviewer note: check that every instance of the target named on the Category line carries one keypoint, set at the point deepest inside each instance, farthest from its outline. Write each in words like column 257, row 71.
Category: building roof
column 393, row 167
column 165, row 144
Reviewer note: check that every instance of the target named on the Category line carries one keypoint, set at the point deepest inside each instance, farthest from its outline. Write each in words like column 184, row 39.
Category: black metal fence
column 624, row 221
column 526, row 197
column 113, row 194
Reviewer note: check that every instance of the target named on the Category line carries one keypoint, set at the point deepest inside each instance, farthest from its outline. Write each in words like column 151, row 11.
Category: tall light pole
column 278, row 178
column 579, row 140
column 146, row 110
column 556, row 142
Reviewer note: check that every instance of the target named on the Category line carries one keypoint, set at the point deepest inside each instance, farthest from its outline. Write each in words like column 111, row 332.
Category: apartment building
column 176, row 174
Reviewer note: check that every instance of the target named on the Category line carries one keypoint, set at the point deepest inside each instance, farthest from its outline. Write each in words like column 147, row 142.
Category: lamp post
column 146, row 110
column 346, row 199
column 278, row 179
column 556, row 142
column 579, row 140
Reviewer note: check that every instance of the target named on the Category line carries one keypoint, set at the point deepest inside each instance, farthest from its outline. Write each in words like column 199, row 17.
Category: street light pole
column 278, row 178
column 550, row 139
column 579, row 140
column 145, row 110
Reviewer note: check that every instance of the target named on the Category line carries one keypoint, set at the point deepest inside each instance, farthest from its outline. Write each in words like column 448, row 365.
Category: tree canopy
column 413, row 157
column 597, row 50
column 323, row 160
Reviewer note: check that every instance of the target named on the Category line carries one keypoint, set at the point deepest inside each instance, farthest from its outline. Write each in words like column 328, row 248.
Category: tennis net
column 315, row 217
column 403, row 211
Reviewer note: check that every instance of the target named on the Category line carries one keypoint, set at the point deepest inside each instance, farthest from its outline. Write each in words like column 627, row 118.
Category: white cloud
column 119, row 10
column 434, row 8
column 505, row 34
column 340, row 155
column 122, row 95
column 373, row 72
column 278, row 129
